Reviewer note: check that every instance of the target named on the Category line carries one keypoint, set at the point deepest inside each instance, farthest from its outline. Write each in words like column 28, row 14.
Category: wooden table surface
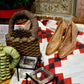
column 7, row 81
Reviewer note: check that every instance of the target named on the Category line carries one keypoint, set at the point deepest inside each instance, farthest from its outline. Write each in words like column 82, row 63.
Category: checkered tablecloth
column 69, row 70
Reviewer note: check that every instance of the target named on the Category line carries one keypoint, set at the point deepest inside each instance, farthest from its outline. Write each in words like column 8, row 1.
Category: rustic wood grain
column 80, row 9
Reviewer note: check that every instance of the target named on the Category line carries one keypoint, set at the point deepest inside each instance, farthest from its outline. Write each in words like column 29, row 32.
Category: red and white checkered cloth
column 69, row 70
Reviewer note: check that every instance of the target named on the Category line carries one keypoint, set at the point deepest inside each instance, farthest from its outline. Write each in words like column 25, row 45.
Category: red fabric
column 67, row 81
column 81, row 33
column 24, row 82
column 60, row 76
column 57, row 23
column 8, row 13
column 57, row 64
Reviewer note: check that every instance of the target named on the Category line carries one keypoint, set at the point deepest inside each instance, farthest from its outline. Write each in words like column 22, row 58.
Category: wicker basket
column 25, row 41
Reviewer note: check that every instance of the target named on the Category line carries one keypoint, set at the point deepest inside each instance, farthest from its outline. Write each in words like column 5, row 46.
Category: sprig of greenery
column 11, row 4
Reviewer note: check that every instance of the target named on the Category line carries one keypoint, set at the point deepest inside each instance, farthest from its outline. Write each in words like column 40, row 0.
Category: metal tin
column 28, row 62
column 42, row 76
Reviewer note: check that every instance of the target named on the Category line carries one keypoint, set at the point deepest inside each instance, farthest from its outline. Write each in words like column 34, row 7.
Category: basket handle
column 28, row 15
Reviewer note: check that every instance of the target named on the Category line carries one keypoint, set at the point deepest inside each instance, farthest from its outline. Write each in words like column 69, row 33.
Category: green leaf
column 14, row 5
column 27, row 0
column 2, row 3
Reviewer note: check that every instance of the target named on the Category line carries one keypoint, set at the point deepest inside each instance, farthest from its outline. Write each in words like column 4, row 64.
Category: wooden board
column 56, row 7
column 7, row 81
column 80, row 9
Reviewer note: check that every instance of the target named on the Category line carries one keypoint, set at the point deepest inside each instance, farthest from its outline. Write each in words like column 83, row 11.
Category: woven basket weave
column 25, row 41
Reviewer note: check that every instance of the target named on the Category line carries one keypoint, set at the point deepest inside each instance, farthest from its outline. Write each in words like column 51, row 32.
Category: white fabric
column 72, row 67
column 22, row 73
column 80, row 27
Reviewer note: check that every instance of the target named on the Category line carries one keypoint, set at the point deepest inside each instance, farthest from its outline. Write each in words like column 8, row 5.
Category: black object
column 36, row 66
column 28, row 76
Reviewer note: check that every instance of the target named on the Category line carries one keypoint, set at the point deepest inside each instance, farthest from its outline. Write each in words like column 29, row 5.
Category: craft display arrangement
column 61, row 68
column 58, row 46
column 65, row 69
column 40, row 75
